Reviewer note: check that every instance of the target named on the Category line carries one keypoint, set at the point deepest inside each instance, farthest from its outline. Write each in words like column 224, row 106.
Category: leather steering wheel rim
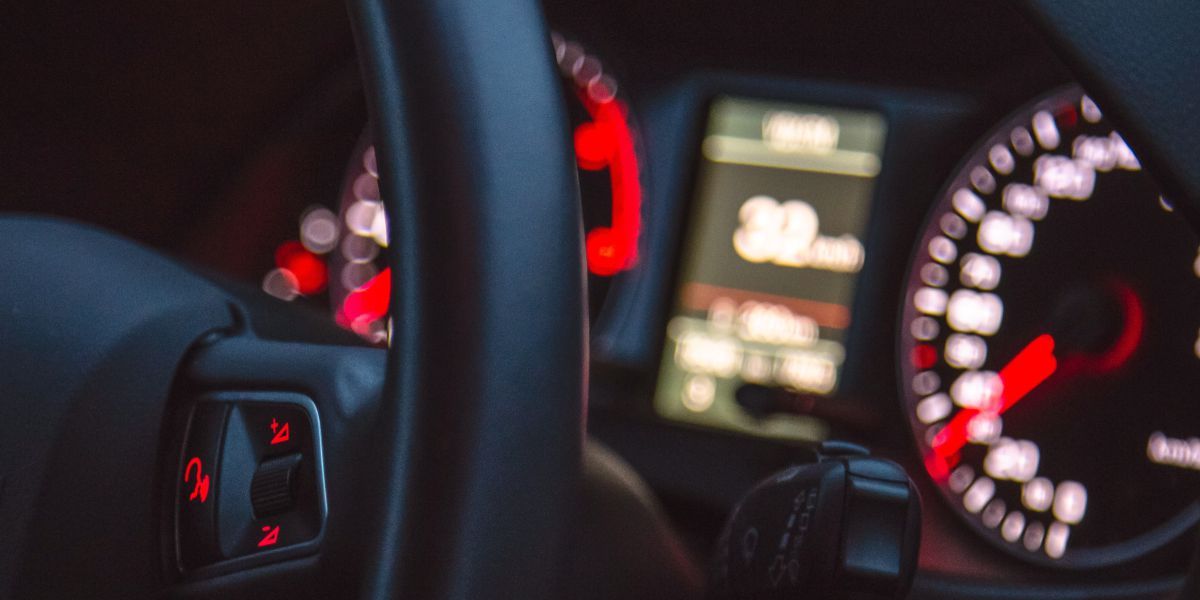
column 480, row 431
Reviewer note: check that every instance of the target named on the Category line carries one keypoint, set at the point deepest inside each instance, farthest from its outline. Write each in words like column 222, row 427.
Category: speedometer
column 1049, row 344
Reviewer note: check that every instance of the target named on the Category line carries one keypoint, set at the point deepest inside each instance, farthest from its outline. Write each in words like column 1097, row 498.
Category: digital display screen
column 770, row 261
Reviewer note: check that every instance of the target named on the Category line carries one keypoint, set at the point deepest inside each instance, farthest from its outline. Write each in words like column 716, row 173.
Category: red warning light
column 200, row 488
column 924, row 356
column 281, row 433
column 309, row 270
column 1067, row 116
column 271, row 538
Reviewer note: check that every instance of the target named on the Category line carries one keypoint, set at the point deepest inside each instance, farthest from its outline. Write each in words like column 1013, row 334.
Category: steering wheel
column 490, row 351
column 453, row 476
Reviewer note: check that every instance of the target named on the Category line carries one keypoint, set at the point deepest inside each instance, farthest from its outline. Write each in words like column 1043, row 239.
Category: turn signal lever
column 845, row 527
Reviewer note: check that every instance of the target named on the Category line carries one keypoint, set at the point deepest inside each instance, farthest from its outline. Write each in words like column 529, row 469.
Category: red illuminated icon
column 200, row 488
column 608, row 141
column 282, row 433
column 271, row 538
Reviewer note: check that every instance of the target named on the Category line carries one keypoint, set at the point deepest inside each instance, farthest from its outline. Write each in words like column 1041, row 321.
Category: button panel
column 264, row 490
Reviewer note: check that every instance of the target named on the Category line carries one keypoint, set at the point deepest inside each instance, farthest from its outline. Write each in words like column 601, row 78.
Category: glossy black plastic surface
column 847, row 526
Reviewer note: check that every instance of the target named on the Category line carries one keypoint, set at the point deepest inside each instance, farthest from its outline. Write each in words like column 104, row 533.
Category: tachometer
column 1049, row 343
column 340, row 249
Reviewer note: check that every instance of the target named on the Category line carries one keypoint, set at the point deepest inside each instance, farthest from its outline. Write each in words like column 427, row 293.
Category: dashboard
column 907, row 227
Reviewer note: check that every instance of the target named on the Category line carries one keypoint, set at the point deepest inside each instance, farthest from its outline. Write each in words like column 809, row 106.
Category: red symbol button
column 282, row 433
column 271, row 538
column 200, row 488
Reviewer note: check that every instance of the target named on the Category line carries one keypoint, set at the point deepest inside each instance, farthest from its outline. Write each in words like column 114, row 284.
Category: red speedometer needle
column 1027, row 370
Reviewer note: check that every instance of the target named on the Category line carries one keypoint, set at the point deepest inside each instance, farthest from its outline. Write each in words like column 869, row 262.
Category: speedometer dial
column 1049, row 343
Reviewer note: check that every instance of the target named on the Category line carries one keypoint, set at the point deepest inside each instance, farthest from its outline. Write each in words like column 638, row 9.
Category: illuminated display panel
column 770, row 261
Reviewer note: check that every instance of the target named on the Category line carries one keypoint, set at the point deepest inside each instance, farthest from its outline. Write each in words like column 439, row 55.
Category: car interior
column 540, row 299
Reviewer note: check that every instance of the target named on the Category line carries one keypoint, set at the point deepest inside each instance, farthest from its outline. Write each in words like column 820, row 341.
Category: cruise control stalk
column 844, row 527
